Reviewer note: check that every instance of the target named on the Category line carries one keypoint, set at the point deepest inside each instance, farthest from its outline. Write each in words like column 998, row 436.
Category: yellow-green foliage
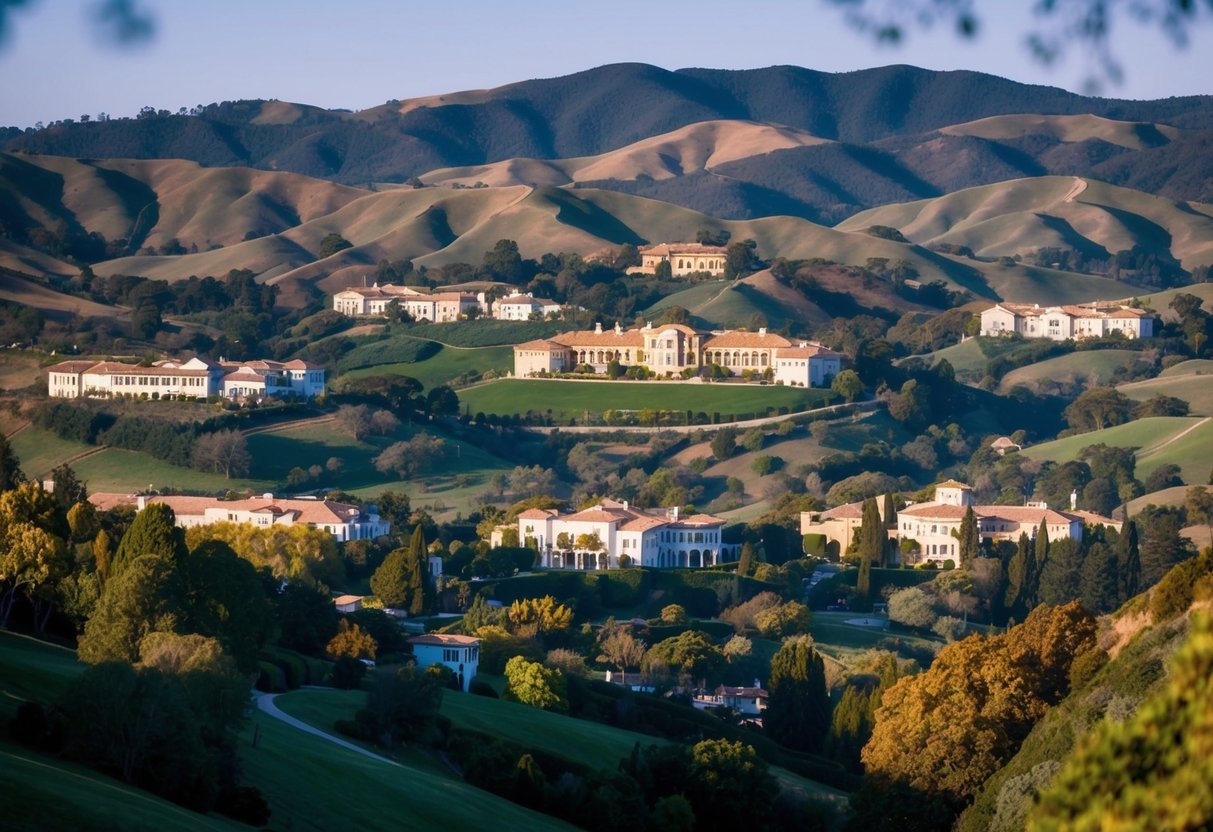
column 294, row 552
column 1152, row 772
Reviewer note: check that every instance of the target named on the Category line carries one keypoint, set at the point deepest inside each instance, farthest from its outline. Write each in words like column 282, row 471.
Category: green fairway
column 32, row 670
column 567, row 400
column 966, row 359
column 40, row 450
column 445, row 366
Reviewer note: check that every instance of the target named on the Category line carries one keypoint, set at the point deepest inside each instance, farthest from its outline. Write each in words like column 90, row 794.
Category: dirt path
column 1156, row 448
column 72, row 460
column 765, row 420
column 281, row 426
column 265, row 702
column 1078, row 187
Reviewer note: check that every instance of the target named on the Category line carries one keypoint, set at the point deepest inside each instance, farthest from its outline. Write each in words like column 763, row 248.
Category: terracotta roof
column 300, row 364
column 346, row 599
column 109, row 368
column 642, row 523
column 683, row 248
column 797, row 352
column 445, row 640
column 525, row 300
column 538, row 514
column 954, row 484
column 541, row 344
column 935, row 511
column 697, row 520
column 1026, row 514
column 847, row 511
column 245, row 374
column 656, row 329
column 1003, row 442
column 755, row 693
column 1095, row 519
column 1097, row 310
column 312, row 512
column 606, row 338
column 740, row 338
column 75, row 366
column 598, row 515
column 104, row 501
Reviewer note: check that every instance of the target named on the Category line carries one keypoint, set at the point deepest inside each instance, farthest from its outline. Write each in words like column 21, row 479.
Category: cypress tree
column 872, row 535
column 390, row 581
column 416, row 565
column 1032, row 584
column 746, row 564
column 1128, row 561
column 10, row 466
column 863, row 584
column 970, row 539
column 1099, row 588
column 1017, row 574
column 798, row 708
column 153, row 532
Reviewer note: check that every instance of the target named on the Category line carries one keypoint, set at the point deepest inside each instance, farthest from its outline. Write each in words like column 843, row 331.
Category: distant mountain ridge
column 583, row 114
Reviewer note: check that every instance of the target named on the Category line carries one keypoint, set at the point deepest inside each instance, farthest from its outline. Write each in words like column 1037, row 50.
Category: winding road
column 265, row 703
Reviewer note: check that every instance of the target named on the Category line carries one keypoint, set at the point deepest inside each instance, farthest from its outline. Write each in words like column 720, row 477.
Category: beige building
column 195, row 378
column 1061, row 323
column 342, row 521
column 684, row 259
column 934, row 526
column 670, row 349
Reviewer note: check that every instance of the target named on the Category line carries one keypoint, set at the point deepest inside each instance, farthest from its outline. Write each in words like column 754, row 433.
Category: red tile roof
column 445, row 640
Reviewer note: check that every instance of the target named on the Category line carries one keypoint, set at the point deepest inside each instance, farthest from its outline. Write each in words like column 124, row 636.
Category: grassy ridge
column 446, row 365
column 1087, row 368
column 1158, row 439
column 1196, row 390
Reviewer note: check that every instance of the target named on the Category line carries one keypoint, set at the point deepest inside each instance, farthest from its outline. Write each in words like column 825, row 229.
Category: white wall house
column 684, row 259
column 344, row 522
column 373, row 301
column 522, row 307
column 195, row 378
column 656, row 538
column 1060, row 323
column 460, row 653
column 806, row 365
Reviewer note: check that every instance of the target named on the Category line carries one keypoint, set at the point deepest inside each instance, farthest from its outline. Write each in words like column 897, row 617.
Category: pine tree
column 390, row 581
column 970, row 539
column 1017, row 574
column 798, row 707
column 10, row 467
column 1128, row 561
column 1098, row 586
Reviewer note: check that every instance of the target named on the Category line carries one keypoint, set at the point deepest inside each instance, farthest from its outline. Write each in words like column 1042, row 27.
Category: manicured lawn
column 1195, row 389
column 447, row 364
column 33, row 670
column 40, row 450
column 570, row 399
column 1061, row 373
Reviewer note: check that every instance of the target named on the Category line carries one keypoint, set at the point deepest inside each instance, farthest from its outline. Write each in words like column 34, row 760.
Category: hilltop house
column 460, row 653
column 670, row 349
column 374, row 300
column 344, row 522
column 599, row 536
column 748, row 701
column 523, row 307
column 196, row 378
column 684, row 259
column 934, row 526
column 1061, row 323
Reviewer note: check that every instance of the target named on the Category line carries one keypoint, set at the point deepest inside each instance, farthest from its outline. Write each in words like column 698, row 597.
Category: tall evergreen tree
column 1059, row 578
column 890, row 511
column 1032, row 584
column 872, row 535
column 417, row 564
column 1018, row 573
column 10, row 466
column 745, row 565
column 798, row 707
column 970, row 538
column 863, row 583
column 390, row 581
column 1098, row 587
column 1128, row 561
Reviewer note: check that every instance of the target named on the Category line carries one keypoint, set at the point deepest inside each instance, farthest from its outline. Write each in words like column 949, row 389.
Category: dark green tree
column 417, row 564
column 307, row 619
column 224, row 599
column 873, row 539
column 145, row 597
column 1128, row 561
column 11, row 475
column 1163, row 544
column 1019, row 575
column 745, row 566
column 1060, row 576
column 1041, row 555
column 724, row 444
column 331, row 244
column 970, row 539
column 390, row 581
column 154, row 532
column 68, row 489
column 730, row 786
column 1098, row 582
column 798, row 707
column 890, row 511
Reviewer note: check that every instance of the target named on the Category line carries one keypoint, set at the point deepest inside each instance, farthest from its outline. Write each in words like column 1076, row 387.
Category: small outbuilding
column 460, row 653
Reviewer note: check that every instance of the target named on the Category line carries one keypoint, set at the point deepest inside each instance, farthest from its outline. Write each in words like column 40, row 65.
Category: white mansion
column 597, row 537
column 935, row 526
column 460, row 653
column 670, row 349
column 344, row 522
column 373, row 301
column 196, row 378
column 1061, row 323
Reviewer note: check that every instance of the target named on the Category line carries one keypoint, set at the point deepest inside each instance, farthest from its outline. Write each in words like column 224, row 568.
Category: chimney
column 762, row 330
column 141, row 502
column 648, row 324
column 674, row 514
column 1073, row 500
column 618, row 328
column 625, row 505
column 598, row 328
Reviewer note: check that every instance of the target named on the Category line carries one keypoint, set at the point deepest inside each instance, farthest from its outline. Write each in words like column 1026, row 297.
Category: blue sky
column 361, row 53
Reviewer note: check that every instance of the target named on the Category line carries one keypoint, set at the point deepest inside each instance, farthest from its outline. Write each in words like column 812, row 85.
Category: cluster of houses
column 341, row 520
column 929, row 532
column 440, row 307
column 613, row 534
column 195, row 378
column 1062, row 323
column 671, row 349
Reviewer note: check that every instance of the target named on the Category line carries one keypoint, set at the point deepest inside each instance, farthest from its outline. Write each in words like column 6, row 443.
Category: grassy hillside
column 1183, row 441
column 445, row 366
column 1070, row 374
column 1192, row 367
column 1019, row 216
column 1196, row 389
column 1078, row 128
column 567, row 400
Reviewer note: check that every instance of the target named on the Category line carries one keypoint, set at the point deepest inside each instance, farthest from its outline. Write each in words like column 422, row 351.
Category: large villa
column 934, row 526
column 613, row 534
column 1061, row 323
column 671, row 349
column 195, row 378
